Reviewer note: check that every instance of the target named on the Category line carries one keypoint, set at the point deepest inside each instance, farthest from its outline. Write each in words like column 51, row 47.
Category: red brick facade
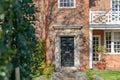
column 111, row 59
column 49, row 15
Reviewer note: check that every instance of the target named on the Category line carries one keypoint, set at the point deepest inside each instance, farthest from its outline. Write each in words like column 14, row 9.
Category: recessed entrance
column 67, row 51
column 67, row 37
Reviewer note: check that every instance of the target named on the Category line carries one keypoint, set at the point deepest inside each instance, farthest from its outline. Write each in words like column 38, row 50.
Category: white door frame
column 90, row 47
column 99, row 44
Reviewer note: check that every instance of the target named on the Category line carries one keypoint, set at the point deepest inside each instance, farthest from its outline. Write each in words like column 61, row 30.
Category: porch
column 110, row 38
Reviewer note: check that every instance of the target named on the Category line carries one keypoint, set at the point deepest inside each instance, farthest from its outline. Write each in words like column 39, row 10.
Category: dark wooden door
column 67, row 51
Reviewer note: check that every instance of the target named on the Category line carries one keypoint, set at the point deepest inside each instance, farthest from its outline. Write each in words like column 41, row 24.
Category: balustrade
column 104, row 17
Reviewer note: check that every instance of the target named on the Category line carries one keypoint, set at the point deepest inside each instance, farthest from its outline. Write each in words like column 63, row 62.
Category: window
column 108, row 41
column 115, row 10
column 115, row 5
column 112, row 42
column 117, row 42
column 66, row 3
column 96, row 42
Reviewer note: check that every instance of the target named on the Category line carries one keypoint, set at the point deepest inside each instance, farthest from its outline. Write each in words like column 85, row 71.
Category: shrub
column 40, row 67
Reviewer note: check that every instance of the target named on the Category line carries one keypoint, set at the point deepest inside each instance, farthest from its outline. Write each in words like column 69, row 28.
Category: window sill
column 66, row 7
column 112, row 53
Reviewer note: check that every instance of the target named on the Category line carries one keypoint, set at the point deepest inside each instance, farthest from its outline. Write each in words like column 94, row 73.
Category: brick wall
column 113, row 62
column 57, row 16
column 100, row 5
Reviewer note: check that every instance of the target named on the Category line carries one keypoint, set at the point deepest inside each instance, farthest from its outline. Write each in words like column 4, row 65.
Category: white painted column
column 91, row 48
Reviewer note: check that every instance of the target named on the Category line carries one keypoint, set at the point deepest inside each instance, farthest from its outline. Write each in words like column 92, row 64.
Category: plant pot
column 101, row 65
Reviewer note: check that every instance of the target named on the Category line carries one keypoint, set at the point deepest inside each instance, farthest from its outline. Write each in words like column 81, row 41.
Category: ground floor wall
column 113, row 60
column 81, row 47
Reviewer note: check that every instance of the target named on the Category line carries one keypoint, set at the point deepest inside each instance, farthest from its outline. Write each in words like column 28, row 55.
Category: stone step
column 69, row 74
column 69, row 79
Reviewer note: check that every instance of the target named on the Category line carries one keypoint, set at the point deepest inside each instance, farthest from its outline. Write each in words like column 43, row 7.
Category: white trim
column 98, row 43
column 91, row 48
column 113, row 53
column 105, row 28
column 112, row 17
column 104, row 40
column 112, row 42
column 58, row 3
column 90, row 16
column 74, row 5
column 111, row 5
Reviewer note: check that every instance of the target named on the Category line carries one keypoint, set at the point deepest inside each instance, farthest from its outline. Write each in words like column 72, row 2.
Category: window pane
column 61, row 4
column 115, row 5
column 68, row 1
column 61, row 0
column 68, row 5
column 65, row 4
column 72, row 1
column 72, row 4
column 95, row 43
column 108, row 42
column 117, row 42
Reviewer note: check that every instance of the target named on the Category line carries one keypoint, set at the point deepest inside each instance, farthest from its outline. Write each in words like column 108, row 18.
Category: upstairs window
column 115, row 5
column 66, row 3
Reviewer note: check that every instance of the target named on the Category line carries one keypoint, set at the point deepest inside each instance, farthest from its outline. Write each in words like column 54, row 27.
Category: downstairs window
column 112, row 42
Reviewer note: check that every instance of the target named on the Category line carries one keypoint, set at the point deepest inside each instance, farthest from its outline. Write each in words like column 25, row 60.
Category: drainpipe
column 46, row 8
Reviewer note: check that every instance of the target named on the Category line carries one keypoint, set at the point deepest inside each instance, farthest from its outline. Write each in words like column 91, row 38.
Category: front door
column 96, row 42
column 67, row 51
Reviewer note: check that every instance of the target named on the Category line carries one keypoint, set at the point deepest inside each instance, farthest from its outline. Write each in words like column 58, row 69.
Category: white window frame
column 117, row 7
column 74, row 5
column 112, row 42
column 99, row 56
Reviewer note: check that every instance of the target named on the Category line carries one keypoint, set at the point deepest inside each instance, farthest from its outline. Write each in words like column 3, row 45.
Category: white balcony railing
column 103, row 17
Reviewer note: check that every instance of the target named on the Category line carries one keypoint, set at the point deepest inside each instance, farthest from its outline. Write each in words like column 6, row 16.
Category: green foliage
column 6, row 66
column 90, row 74
column 48, row 70
column 40, row 67
column 106, row 74
column 17, row 37
column 100, row 49
column 5, row 71
column 38, row 56
column 4, row 6
column 45, row 70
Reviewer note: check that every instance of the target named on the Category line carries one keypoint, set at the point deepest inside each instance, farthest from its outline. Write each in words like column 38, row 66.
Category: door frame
column 94, row 62
column 71, row 30
column 58, row 52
